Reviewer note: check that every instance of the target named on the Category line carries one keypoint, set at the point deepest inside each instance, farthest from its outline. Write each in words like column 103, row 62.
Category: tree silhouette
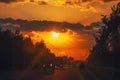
column 18, row 52
column 107, row 48
column 43, row 55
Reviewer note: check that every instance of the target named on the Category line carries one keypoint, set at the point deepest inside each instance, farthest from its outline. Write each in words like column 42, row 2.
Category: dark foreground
column 59, row 74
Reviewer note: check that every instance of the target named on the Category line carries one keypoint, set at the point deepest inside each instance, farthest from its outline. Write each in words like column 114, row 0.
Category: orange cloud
column 58, row 10
column 83, row 5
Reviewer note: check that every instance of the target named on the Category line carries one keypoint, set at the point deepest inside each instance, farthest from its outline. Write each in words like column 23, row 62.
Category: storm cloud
column 79, row 2
column 109, row 0
column 47, row 2
column 11, row 1
column 36, row 25
column 42, row 3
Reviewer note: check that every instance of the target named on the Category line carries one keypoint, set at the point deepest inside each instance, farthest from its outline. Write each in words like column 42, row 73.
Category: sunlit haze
column 59, row 39
column 66, row 26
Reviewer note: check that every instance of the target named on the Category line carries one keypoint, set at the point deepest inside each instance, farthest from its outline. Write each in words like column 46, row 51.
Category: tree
column 42, row 55
column 14, row 50
column 107, row 48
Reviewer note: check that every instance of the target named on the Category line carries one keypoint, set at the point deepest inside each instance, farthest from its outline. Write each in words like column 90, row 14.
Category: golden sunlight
column 55, row 34
column 52, row 37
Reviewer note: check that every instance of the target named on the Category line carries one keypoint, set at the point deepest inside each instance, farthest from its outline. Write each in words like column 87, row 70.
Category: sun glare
column 55, row 34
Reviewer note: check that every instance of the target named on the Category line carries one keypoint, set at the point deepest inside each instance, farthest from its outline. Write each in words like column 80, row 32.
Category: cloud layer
column 42, row 26
column 83, row 5
column 74, row 11
column 57, row 2
column 11, row 1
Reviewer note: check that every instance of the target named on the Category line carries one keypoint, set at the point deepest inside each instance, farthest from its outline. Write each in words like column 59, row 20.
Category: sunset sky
column 74, row 42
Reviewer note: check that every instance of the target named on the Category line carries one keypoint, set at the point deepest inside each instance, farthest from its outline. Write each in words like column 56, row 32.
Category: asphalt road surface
column 61, row 74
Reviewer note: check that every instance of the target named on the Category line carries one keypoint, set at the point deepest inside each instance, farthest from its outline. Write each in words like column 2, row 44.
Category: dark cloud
column 70, row 2
column 42, row 3
column 86, row 0
column 109, row 0
column 78, row 2
column 36, row 25
column 32, row 0
column 43, row 25
column 13, row 1
column 10, row 1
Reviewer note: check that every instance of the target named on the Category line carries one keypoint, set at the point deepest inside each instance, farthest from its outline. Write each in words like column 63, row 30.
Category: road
column 62, row 74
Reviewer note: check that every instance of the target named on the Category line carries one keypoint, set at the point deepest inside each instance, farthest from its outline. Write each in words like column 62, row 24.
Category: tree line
column 18, row 52
column 106, row 52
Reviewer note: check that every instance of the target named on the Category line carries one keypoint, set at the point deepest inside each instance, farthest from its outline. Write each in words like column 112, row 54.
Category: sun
column 55, row 34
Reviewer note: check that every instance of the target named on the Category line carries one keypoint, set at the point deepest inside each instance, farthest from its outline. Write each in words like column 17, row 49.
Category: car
column 82, row 65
